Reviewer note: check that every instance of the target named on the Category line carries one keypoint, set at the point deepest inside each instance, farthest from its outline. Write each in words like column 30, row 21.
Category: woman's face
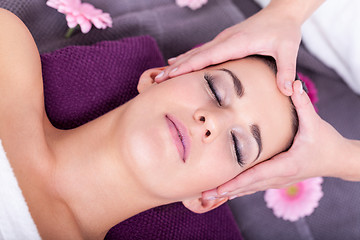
column 196, row 131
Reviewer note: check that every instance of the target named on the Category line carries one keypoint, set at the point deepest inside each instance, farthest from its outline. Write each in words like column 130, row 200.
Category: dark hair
column 270, row 61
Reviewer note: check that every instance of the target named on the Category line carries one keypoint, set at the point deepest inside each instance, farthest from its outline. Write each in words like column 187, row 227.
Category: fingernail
column 171, row 59
column 174, row 70
column 301, row 90
column 222, row 194
column 210, row 198
column 288, row 85
column 233, row 197
column 160, row 75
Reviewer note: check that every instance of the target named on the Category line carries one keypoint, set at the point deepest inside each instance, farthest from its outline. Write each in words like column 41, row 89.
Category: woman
column 166, row 145
column 276, row 31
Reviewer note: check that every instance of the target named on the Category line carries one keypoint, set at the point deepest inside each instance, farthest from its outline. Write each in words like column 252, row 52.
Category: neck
column 92, row 179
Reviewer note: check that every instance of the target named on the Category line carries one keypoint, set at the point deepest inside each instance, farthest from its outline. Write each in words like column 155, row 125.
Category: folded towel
column 15, row 219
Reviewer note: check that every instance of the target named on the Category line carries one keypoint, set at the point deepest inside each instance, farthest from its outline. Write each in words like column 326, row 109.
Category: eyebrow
column 254, row 128
column 255, row 131
column 237, row 83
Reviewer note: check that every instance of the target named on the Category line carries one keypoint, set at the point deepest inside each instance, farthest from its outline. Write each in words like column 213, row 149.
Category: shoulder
column 7, row 15
column 21, row 88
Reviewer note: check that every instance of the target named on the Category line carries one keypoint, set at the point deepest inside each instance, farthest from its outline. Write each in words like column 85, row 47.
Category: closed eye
column 238, row 154
column 210, row 81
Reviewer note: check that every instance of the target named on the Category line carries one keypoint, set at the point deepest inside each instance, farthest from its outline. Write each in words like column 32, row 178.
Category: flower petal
column 85, row 26
column 192, row 4
column 71, row 21
column 301, row 201
column 53, row 3
column 83, row 14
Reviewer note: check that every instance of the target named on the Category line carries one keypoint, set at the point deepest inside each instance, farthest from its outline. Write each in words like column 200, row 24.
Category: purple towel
column 84, row 82
column 176, row 222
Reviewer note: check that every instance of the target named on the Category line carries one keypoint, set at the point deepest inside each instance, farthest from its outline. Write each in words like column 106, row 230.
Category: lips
column 180, row 136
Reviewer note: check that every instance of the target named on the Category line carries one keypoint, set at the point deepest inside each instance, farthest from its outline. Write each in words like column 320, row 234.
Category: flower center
column 292, row 191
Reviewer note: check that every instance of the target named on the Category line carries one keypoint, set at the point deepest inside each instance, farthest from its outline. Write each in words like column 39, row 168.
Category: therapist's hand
column 318, row 150
column 272, row 31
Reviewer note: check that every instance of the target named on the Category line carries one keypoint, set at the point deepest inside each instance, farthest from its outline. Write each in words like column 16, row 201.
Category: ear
column 148, row 78
column 200, row 205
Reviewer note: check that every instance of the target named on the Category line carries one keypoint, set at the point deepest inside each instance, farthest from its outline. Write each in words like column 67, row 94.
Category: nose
column 209, row 124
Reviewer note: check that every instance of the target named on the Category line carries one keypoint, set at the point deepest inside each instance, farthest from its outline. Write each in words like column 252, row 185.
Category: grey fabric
column 175, row 29
column 304, row 229
column 338, row 215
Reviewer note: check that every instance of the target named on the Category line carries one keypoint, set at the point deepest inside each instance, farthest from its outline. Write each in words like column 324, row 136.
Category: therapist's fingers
column 216, row 51
column 172, row 60
column 241, row 195
column 210, row 194
column 286, row 66
column 308, row 118
column 288, row 167
column 175, row 62
column 180, row 57
column 210, row 55
column 199, row 59
column 183, row 57
column 259, row 177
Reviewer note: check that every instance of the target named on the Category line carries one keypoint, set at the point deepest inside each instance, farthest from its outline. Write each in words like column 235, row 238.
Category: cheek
column 214, row 166
column 205, row 170
column 186, row 88
column 189, row 99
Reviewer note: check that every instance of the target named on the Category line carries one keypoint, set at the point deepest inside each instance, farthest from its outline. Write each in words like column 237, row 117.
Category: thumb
column 303, row 105
column 286, row 65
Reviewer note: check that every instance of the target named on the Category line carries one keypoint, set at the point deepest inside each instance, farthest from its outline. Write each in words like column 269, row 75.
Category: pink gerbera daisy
column 193, row 4
column 296, row 201
column 82, row 14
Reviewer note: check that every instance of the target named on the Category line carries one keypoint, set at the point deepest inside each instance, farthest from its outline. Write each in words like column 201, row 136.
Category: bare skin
column 79, row 183
column 28, row 138
column 275, row 31
column 61, row 203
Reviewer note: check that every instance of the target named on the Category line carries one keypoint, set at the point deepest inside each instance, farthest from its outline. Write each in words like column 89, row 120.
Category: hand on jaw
column 317, row 151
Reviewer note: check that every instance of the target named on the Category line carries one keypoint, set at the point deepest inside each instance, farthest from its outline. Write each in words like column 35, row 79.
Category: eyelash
column 210, row 81
column 238, row 154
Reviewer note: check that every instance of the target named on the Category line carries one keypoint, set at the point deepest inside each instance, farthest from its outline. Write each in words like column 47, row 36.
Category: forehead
column 262, row 103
